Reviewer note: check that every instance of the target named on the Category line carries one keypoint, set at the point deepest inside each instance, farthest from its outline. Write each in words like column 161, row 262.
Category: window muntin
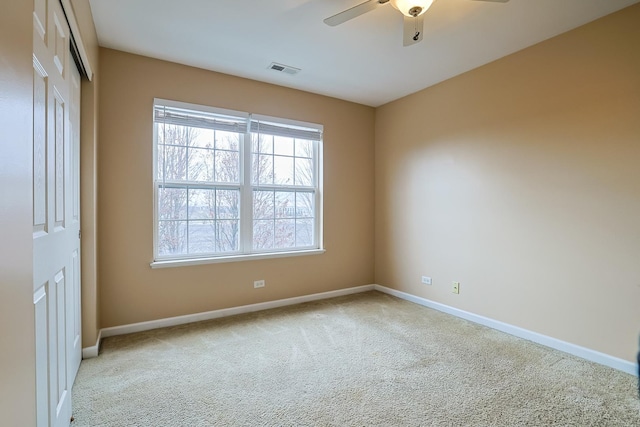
column 210, row 162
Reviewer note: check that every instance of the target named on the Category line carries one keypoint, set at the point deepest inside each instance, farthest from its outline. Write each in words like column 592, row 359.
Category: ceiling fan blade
column 354, row 12
column 413, row 29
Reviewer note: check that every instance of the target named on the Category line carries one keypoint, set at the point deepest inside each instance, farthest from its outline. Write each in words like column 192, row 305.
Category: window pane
column 283, row 170
column 263, row 234
column 227, row 166
column 228, row 204
column 203, row 138
column 304, row 232
column 304, row 205
column 285, row 204
column 284, row 233
column 175, row 163
column 283, row 146
column 201, row 204
column 265, row 144
column 161, row 132
column 200, row 164
column 304, row 172
column 262, row 169
column 172, row 203
column 160, row 162
column 263, row 204
column 304, row 148
column 175, row 135
column 201, row 237
column 227, row 140
column 172, row 237
column 227, row 235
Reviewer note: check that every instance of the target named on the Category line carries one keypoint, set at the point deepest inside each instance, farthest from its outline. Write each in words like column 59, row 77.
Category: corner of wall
column 89, row 175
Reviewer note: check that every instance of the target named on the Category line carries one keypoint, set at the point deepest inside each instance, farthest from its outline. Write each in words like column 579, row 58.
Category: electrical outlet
column 258, row 284
column 456, row 287
column 426, row 280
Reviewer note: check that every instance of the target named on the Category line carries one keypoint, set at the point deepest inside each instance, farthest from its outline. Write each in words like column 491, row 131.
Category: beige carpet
column 363, row 360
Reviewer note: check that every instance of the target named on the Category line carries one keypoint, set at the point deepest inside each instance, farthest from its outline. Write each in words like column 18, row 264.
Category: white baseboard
column 89, row 352
column 198, row 317
column 576, row 350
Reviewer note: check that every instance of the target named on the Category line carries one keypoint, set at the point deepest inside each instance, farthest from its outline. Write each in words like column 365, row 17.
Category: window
column 230, row 184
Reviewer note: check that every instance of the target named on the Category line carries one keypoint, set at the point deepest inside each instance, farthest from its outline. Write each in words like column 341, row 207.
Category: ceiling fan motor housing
column 412, row 8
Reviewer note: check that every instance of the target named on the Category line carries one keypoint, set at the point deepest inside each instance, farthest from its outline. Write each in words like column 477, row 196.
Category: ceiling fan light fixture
column 412, row 8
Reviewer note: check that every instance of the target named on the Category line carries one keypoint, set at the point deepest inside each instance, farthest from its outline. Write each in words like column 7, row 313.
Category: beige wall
column 89, row 175
column 130, row 291
column 521, row 180
column 17, row 338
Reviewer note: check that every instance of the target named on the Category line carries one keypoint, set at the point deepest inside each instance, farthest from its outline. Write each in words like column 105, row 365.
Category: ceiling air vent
column 284, row 68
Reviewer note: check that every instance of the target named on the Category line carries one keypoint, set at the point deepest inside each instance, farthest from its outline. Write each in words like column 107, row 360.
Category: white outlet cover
column 258, row 284
column 426, row 280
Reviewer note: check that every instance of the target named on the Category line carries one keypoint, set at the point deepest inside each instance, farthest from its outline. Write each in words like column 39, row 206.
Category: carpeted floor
column 362, row 360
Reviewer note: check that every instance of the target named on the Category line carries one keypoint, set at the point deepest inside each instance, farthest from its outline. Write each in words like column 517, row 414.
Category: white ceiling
column 361, row 60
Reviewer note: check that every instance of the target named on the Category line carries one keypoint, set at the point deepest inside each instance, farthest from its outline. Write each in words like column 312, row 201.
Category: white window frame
column 246, row 187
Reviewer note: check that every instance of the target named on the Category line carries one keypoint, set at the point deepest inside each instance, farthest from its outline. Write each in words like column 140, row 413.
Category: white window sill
column 232, row 258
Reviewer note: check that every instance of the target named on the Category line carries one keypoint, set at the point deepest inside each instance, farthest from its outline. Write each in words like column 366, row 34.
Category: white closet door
column 56, row 218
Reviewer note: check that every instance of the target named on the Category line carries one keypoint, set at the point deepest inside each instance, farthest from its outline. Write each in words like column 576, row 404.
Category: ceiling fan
column 413, row 11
